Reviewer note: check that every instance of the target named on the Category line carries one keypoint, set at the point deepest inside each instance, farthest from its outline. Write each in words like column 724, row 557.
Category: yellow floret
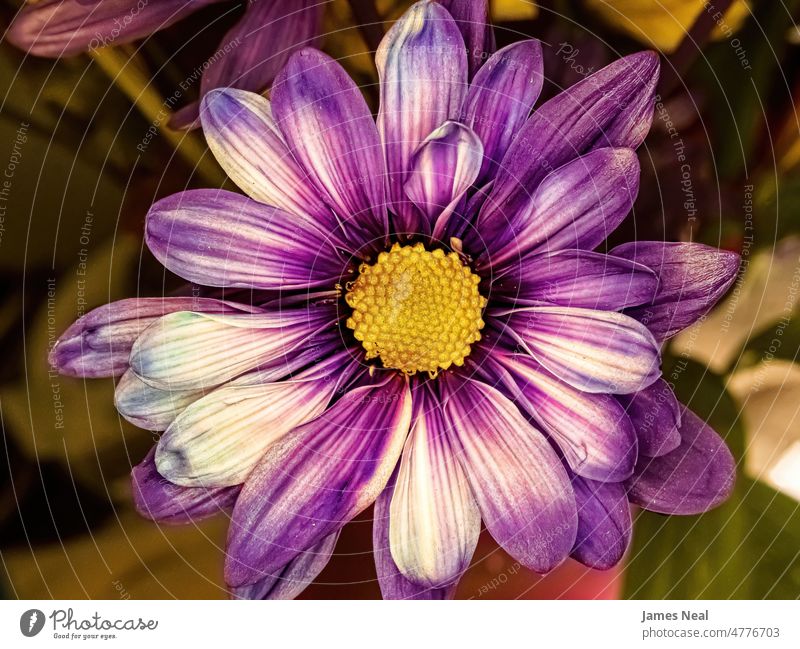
column 417, row 310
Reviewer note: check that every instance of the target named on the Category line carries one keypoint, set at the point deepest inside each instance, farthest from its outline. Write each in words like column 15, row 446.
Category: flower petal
column 329, row 128
column 501, row 97
column 434, row 520
column 611, row 108
column 593, row 351
column 442, row 169
column 472, row 18
column 197, row 351
column 656, row 416
column 99, row 343
column 422, row 65
column 263, row 40
column 576, row 206
column 245, row 140
column 695, row 477
column 217, row 238
column 522, row 489
column 148, row 407
column 294, row 577
column 594, row 433
column 392, row 582
column 56, row 28
column 604, row 523
column 217, row 440
column 158, row 499
column 693, row 278
column 317, row 478
column 577, row 278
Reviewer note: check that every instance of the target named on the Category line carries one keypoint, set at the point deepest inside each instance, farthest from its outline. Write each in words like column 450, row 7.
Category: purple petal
column 604, row 523
column 198, row 351
column 578, row 278
column 693, row 278
column 245, row 140
column 576, row 206
column 218, row 439
column 593, row 351
column 501, row 97
column 611, row 108
column 522, row 488
column 695, row 477
column 99, row 343
column 262, row 42
column 422, row 65
column 317, row 478
column 594, row 433
column 442, row 169
column 656, row 416
column 472, row 18
column 214, row 237
column 393, row 583
column 158, row 499
column 434, row 520
column 56, row 28
column 329, row 128
column 293, row 578
column 148, row 407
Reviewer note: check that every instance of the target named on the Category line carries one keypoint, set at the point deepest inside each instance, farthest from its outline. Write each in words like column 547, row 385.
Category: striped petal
column 441, row 170
column 317, row 478
column 576, row 206
column 578, row 278
column 472, row 18
column 197, row 351
column 422, row 65
column 393, row 584
column 245, row 140
column 522, row 489
column 148, row 407
column 329, row 128
column 656, row 417
column 159, row 500
column 217, row 440
column 500, row 99
column 697, row 476
column 265, row 37
column 611, row 108
column 604, row 523
column 593, row 351
column 56, row 28
column 434, row 520
column 99, row 343
column 214, row 237
column 594, row 433
column 692, row 279
column 293, row 578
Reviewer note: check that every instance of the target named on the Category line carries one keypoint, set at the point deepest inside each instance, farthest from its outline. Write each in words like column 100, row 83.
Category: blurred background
column 85, row 149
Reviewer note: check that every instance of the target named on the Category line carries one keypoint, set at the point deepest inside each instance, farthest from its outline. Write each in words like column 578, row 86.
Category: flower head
column 433, row 330
column 248, row 57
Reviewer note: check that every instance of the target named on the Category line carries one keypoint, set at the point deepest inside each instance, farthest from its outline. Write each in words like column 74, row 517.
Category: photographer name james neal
column 666, row 617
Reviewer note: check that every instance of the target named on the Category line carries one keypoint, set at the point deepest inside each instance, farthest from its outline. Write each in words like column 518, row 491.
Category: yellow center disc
column 419, row 311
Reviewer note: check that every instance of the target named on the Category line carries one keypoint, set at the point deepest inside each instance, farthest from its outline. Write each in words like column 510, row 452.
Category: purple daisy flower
column 432, row 329
column 248, row 57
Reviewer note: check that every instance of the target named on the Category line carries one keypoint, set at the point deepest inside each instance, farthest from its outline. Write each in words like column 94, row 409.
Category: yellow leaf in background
column 344, row 41
column 68, row 420
column 663, row 24
column 127, row 558
column 511, row 10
